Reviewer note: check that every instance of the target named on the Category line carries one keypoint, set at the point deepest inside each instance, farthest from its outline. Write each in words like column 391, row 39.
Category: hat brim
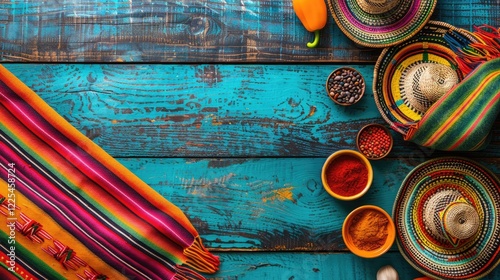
column 427, row 46
column 381, row 30
column 475, row 257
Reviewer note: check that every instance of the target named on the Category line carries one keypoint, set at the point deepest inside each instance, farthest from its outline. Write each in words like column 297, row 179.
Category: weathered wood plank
column 187, row 31
column 287, row 266
column 276, row 204
column 180, row 110
column 274, row 266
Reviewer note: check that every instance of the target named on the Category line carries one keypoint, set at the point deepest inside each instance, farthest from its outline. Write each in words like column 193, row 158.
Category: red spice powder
column 346, row 175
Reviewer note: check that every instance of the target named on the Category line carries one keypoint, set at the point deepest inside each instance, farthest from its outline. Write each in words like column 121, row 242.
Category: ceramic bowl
column 345, row 86
column 374, row 141
column 352, row 237
column 331, row 174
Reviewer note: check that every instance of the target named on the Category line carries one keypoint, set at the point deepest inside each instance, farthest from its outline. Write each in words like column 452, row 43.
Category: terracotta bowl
column 337, row 158
column 374, row 141
column 345, row 86
column 353, row 237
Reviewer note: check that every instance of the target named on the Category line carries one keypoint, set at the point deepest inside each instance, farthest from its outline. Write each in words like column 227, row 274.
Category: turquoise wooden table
column 220, row 107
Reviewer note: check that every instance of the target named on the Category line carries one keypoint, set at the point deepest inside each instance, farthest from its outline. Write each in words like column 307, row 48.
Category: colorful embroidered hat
column 380, row 23
column 411, row 76
column 447, row 219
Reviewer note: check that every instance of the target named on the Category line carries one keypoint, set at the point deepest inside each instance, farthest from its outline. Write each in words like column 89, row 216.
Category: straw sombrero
column 411, row 76
column 447, row 219
column 380, row 23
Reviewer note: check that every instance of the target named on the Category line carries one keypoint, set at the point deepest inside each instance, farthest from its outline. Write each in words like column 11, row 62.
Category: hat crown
column 424, row 83
column 460, row 220
column 451, row 218
column 437, row 79
column 377, row 6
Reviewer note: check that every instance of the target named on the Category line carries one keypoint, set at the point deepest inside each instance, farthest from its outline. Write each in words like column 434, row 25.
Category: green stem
column 316, row 40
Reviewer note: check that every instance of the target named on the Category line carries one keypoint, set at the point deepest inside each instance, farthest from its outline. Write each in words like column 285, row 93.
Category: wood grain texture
column 221, row 108
column 270, row 204
column 187, row 31
column 311, row 266
column 179, row 110
column 287, row 266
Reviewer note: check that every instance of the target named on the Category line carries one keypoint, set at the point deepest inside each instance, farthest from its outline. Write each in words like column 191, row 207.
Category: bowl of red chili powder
column 374, row 141
column 347, row 174
column 368, row 231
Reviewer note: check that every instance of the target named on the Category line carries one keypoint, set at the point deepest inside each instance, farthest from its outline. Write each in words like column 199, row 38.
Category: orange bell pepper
column 313, row 15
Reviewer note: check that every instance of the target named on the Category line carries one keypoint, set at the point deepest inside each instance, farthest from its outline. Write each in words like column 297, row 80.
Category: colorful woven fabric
column 79, row 212
column 420, row 214
column 411, row 76
column 461, row 120
column 380, row 23
column 485, row 47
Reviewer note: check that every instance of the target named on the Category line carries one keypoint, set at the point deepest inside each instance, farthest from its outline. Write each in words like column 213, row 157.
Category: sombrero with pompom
column 447, row 218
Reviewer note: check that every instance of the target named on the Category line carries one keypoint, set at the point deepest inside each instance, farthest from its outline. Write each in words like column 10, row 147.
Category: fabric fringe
column 109, row 176
column 485, row 47
column 187, row 274
column 200, row 259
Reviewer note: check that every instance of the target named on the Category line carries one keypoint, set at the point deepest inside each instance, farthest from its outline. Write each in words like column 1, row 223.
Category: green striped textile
column 461, row 120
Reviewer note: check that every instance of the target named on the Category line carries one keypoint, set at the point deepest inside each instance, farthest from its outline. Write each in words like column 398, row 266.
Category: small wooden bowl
column 333, row 158
column 349, row 240
column 345, row 86
column 371, row 147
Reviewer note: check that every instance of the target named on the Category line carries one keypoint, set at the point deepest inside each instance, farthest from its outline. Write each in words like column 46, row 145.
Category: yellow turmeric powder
column 368, row 230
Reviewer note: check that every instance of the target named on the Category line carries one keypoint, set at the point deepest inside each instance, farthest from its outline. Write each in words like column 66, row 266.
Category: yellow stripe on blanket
column 41, row 234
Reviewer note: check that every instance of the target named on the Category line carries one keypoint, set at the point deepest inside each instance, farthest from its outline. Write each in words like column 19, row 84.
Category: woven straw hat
column 447, row 219
column 380, row 23
column 411, row 76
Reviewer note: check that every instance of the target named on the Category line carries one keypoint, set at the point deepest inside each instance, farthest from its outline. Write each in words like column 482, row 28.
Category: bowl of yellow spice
column 368, row 231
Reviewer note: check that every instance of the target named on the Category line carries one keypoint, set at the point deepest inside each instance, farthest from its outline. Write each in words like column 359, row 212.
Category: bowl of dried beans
column 374, row 141
column 345, row 86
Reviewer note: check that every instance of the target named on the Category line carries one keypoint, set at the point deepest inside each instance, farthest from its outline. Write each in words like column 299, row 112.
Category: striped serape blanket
column 71, row 211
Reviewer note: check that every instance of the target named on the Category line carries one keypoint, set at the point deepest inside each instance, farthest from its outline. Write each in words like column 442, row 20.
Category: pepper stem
column 316, row 40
